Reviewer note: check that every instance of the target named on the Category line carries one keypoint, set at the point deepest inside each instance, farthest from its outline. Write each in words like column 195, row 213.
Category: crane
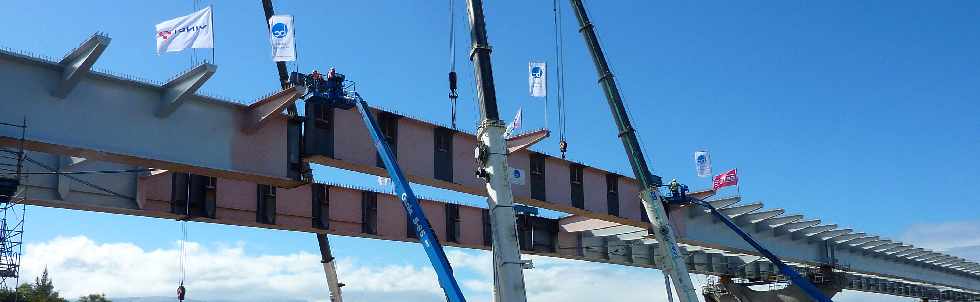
column 653, row 202
column 329, row 90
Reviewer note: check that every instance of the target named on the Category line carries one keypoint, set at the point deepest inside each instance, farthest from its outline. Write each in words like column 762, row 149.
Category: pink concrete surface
column 629, row 199
column 237, row 200
column 293, row 222
column 156, row 187
column 436, row 212
column 565, row 241
column 594, row 188
column 352, row 142
column 345, row 206
column 297, row 201
column 558, row 190
column 471, row 225
column 678, row 220
column 345, row 227
column 261, row 151
column 521, row 160
column 415, row 147
column 391, row 217
column 234, row 216
column 157, row 206
column 463, row 162
column 416, row 144
column 236, row 194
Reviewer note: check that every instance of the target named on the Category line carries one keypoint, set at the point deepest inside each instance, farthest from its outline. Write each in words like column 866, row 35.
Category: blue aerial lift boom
column 329, row 90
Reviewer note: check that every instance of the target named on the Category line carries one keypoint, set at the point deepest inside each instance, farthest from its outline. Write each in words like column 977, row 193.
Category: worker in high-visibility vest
column 675, row 188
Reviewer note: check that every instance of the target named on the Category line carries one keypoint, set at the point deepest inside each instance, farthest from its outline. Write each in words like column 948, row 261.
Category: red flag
column 729, row 178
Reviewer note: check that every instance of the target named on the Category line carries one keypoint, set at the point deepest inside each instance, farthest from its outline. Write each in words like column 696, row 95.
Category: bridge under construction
column 207, row 159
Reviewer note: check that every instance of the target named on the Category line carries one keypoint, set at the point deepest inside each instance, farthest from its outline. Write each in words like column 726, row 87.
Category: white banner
column 537, row 78
column 514, row 125
column 703, row 162
column 194, row 31
column 281, row 33
column 517, row 176
column 384, row 181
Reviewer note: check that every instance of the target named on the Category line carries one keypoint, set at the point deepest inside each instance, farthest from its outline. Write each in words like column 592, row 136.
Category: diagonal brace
column 78, row 63
column 176, row 91
column 261, row 111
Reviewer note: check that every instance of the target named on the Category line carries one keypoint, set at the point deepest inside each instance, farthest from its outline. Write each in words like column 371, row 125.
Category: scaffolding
column 12, row 195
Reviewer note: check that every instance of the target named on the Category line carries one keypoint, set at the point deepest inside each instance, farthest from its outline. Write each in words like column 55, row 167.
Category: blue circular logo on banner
column 279, row 30
column 517, row 173
column 536, row 72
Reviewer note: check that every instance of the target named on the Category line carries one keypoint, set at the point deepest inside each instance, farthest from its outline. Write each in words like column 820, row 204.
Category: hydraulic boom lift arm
column 797, row 279
column 330, row 91
column 404, row 192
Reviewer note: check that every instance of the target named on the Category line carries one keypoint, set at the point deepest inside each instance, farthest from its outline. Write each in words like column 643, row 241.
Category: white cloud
column 81, row 266
column 960, row 238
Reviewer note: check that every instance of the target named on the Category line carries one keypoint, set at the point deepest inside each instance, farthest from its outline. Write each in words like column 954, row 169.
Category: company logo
column 517, row 173
column 279, row 30
column 166, row 34
column 701, row 159
column 537, row 72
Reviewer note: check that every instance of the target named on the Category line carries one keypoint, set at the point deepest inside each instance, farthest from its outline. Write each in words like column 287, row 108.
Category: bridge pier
column 734, row 292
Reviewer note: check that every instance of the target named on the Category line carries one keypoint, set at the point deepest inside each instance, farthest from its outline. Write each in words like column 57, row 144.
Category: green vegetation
column 42, row 291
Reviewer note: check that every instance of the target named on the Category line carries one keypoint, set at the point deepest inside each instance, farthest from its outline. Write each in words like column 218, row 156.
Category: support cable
column 453, row 93
column 560, row 81
column 181, row 290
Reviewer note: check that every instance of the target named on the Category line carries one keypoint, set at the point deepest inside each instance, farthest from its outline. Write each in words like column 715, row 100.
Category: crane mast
column 491, row 153
column 672, row 261
column 653, row 203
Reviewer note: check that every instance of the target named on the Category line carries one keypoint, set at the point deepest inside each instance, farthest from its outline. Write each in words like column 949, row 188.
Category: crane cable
column 181, row 291
column 560, row 70
column 453, row 94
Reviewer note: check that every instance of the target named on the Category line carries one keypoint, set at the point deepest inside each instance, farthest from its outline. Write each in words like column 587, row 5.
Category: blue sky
column 863, row 114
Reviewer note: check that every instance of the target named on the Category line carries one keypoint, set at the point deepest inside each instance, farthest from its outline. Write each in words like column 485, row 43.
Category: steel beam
column 154, row 190
column 113, row 118
column 871, row 244
column 732, row 212
column 178, row 89
column 789, row 227
column 78, row 62
column 758, row 216
column 829, row 234
column 778, row 221
column 615, row 230
column 845, row 238
column 813, row 230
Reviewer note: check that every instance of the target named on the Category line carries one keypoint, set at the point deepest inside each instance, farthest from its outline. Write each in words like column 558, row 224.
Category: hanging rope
column 560, row 70
column 453, row 94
